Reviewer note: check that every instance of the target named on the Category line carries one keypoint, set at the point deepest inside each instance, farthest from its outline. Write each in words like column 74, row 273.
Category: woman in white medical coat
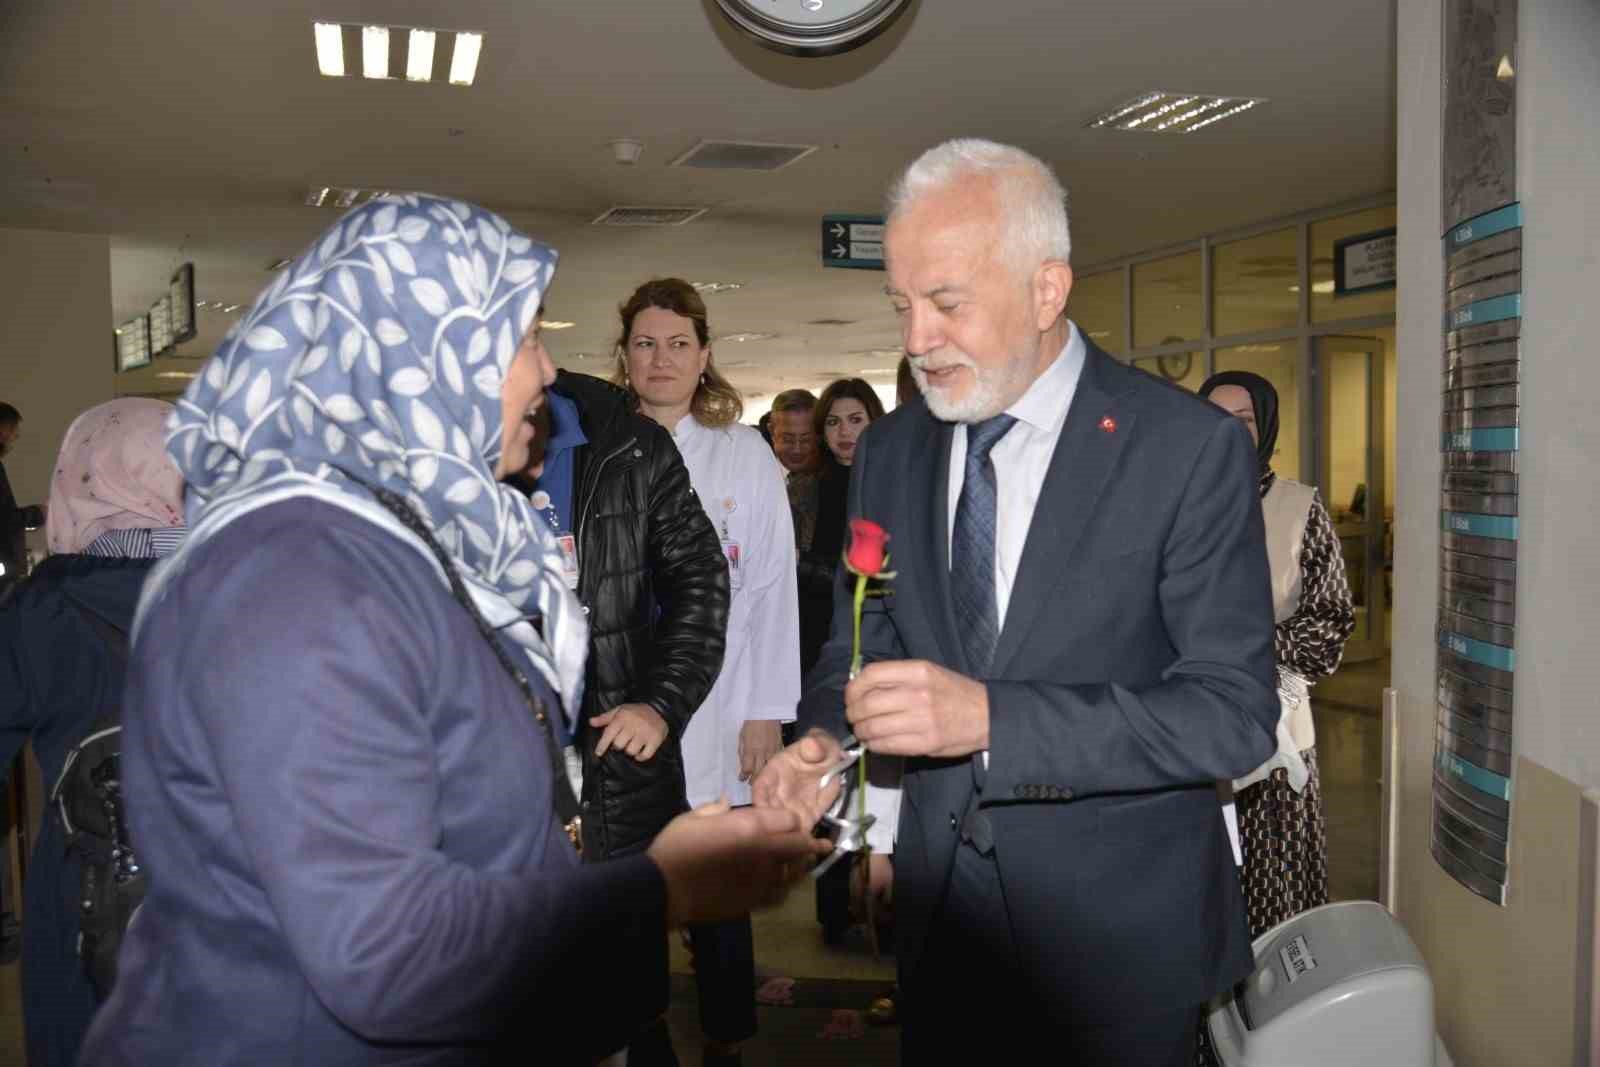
column 664, row 358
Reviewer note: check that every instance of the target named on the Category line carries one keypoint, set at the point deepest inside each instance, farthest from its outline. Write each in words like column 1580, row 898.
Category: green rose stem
column 855, row 669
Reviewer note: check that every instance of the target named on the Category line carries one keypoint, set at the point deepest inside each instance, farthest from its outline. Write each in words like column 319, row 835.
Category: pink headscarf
column 114, row 473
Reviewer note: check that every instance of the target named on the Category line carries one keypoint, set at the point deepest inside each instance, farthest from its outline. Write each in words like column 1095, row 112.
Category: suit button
column 586, row 609
column 954, row 824
column 1019, row 791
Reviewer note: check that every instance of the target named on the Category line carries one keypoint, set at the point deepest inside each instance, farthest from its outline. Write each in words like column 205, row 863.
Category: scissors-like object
column 852, row 834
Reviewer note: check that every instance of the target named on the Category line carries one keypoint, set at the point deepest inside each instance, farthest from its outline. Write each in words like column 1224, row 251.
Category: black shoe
column 653, row 1048
column 10, row 939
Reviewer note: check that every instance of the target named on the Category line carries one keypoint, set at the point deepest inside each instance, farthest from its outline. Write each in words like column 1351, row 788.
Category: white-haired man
column 1078, row 645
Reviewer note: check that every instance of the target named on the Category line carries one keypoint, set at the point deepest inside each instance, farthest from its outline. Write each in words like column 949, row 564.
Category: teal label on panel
column 1501, row 527
column 1492, row 310
column 1489, row 439
column 1486, row 225
column 1496, row 785
column 1497, row 656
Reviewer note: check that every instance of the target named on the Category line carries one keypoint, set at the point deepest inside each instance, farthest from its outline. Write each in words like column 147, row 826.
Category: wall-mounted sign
column 854, row 241
column 1480, row 440
column 161, row 326
column 181, row 293
column 1364, row 263
column 132, row 341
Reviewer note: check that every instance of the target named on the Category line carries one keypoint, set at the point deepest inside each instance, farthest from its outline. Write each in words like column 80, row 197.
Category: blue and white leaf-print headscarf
column 377, row 357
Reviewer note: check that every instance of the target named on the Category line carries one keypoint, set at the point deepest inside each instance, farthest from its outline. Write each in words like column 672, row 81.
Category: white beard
column 991, row 392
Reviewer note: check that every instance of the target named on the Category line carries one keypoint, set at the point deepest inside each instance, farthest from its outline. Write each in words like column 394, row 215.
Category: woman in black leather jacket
column 654, row 585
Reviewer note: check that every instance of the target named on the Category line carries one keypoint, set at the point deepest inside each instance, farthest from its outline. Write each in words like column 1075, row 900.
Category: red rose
column 865, row 552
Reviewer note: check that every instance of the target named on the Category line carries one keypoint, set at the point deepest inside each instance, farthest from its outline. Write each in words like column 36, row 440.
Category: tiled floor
column 788, row 941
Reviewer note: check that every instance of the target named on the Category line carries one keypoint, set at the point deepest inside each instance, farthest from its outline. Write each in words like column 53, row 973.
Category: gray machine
column 1340, row 984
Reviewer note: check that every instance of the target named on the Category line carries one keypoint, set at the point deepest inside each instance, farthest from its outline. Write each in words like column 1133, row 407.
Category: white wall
column 1558, row 565
column 55, row 349
column 1506, row 979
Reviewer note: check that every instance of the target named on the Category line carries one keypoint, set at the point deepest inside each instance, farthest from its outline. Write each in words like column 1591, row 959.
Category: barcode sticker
column 1297, row 959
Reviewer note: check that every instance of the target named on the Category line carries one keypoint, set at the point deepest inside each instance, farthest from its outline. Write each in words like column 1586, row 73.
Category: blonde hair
column 716, row 402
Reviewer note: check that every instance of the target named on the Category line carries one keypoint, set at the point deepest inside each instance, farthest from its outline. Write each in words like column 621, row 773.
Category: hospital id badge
column 731, row 551
column 569, row 560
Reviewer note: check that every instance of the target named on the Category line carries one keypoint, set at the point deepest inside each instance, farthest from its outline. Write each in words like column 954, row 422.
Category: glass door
column 1349, row 387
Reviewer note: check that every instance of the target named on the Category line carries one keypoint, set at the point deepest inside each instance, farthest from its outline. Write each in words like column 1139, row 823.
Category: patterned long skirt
column 1285, row 842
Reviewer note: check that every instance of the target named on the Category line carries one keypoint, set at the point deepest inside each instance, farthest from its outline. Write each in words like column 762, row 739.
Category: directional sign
column 854, row 241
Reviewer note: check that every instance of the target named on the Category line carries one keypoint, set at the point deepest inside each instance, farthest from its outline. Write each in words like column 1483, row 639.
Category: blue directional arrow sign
column 854, row 241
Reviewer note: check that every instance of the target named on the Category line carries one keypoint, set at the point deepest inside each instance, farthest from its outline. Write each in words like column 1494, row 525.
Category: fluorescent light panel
column 1160, row 111
column 330, row 48
column 419, row 56
column 464, row 60
column 422, row 45
column 374, row 51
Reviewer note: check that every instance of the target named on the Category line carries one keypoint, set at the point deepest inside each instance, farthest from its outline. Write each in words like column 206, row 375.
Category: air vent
column 742, row 155
column 649, row 216
column 1160, row 111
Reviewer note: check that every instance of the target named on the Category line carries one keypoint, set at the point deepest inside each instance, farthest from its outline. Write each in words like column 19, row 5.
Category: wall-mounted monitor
column 181, row 294
column 161, row 327
column 132, row 340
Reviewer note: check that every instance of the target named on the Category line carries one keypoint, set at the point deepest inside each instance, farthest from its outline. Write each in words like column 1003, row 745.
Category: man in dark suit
column 1078, row 645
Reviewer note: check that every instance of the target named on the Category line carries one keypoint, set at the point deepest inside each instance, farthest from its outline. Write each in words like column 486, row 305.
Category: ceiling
column 190, row 130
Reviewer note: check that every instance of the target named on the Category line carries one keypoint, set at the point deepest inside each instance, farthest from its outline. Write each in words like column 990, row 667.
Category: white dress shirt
column 741, row 487
column 1021, row 460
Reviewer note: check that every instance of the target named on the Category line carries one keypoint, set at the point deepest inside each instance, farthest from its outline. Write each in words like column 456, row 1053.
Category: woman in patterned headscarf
column 116, row 505
column 1282, row 834
column 343, row 750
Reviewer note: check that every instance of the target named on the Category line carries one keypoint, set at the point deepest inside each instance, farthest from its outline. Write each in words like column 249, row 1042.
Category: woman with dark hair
column 1282, row 834
column 350, row 693
column 664, row 359
column 847, row 407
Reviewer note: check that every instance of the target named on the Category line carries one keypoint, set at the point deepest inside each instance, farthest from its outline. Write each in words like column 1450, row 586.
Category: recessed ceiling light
column 1160, row 111
column 340, row 196
column 419, row 56
column 232, row 308
column 464, row 60
column 716, row 287
column 555, row 324
column 873, row 372
column 374, row 51
column 177, row 374
column 330, row 48
column 422, row 46
column 740, row 338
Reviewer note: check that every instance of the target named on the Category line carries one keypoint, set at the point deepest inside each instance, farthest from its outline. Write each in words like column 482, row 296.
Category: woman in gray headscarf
column 350, row 695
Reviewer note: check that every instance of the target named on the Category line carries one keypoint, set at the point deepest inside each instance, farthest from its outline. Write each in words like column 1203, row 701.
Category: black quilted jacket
column 654, row 584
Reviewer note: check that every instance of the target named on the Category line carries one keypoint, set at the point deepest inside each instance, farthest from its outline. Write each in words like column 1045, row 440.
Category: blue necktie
column 972, row 543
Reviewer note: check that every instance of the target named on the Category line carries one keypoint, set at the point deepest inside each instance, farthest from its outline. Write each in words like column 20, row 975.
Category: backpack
column 87, row 799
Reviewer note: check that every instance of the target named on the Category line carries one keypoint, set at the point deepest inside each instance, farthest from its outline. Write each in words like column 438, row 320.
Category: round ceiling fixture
column 812, row 27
